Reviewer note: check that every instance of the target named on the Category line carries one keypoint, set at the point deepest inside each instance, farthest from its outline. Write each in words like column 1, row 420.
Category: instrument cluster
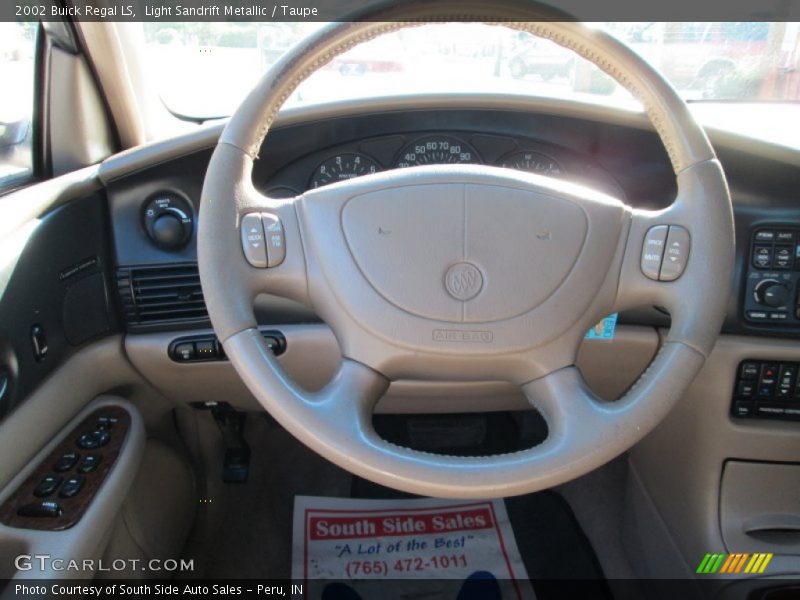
column 402, row 151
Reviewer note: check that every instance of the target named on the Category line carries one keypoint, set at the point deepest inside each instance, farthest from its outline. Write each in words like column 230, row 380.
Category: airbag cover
column 468, row 253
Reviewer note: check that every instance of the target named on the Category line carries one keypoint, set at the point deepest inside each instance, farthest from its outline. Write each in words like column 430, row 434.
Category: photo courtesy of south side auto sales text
column 150, row 589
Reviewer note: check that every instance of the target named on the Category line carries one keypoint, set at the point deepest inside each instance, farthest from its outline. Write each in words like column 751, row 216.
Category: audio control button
column 772, row 293
column 653, row 251
column 275, row 239
column 762, row 257
column 676, row 253
column 784, row 257
column 255, row 251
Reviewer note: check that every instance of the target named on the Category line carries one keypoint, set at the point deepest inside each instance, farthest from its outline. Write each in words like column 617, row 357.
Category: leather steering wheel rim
column 334, row 263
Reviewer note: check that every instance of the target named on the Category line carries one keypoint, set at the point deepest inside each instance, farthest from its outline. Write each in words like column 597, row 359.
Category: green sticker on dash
column 604, row 330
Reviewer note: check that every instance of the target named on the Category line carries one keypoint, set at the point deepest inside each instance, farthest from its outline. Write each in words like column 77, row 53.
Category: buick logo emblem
column 463, row 281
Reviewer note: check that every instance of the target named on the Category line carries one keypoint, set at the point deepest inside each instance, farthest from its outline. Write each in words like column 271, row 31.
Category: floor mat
column 426, row 548
column 553, row 547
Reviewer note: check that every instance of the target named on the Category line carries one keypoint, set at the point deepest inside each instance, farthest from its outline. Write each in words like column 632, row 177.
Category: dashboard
column 154, row 204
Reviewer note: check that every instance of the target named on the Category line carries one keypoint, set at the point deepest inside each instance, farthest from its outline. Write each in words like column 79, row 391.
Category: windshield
column 203, row 70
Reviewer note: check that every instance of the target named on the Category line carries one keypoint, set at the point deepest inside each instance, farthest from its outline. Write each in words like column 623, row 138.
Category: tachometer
column 532, row 162
column 342, row 166
column 437, row 150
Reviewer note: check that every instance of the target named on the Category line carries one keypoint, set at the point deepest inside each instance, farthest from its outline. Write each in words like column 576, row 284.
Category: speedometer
column 437, row 150
column 532, row 162
column 342, row 166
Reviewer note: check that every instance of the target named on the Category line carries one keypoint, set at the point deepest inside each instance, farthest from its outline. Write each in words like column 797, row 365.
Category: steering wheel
column 466, row 272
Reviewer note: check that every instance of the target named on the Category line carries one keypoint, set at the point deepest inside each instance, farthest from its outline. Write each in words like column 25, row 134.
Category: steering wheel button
column 255, row 250
column 653, row 251
column 275, row 239
column 676, row 253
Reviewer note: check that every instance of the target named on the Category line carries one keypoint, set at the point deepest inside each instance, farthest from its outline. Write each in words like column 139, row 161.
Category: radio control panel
column 772, row 293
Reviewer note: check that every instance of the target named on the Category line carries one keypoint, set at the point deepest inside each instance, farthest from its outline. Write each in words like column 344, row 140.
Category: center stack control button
column 784, row 257
column 653, row 251
column 771, row 292
column 252, row 231
column 750, row 370
column 762, row 257
column 765, row 235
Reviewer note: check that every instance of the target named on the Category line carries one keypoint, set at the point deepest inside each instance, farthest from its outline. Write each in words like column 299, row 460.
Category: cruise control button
column 653, row 251
column 252, row 231
column 275, row 238
column 47, row 486
column 676, row 253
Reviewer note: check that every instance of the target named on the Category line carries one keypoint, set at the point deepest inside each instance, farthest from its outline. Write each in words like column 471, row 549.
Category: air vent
column 161, row 295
